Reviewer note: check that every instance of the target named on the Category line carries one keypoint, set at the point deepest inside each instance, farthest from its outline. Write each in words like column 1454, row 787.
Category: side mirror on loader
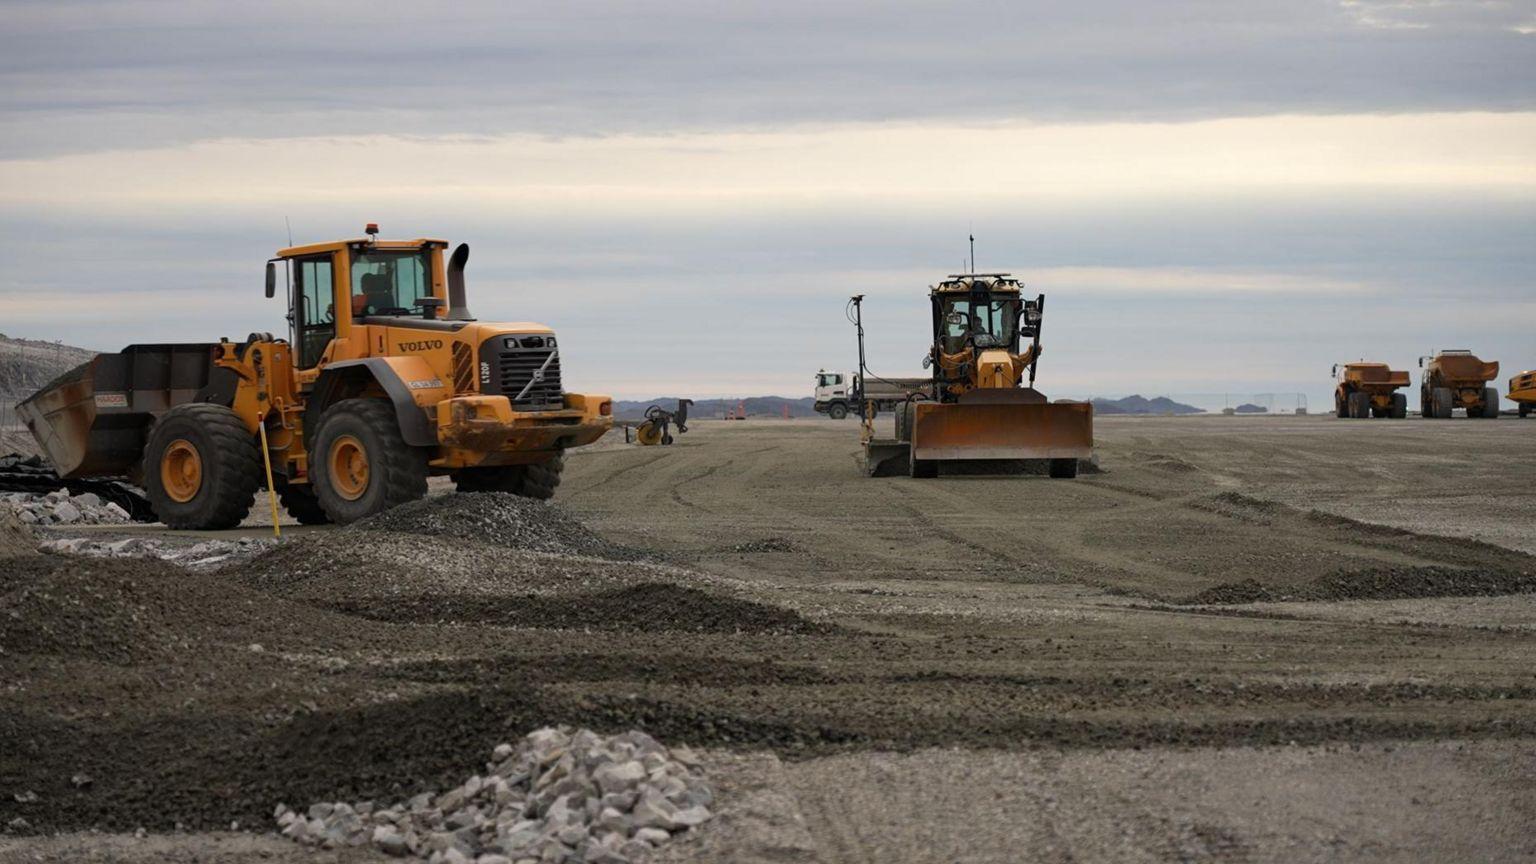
column 271, row 279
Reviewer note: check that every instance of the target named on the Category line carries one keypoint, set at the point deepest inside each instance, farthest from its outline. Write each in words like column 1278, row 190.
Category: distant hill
column 1250, row 408
column 1142, row 405
column 761, row 406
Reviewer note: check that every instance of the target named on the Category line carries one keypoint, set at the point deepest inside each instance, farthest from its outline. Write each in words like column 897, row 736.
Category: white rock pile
column 560, row 795
column 204, row 555
column 61, row 508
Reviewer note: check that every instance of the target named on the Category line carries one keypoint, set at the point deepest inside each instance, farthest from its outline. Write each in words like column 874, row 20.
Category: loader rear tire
column 201, row 467
column 302, row 504
column 530, row 481
column 360, row 464
column 1491, row 403
column 1063, row 469
column 1360, row 406
column 1399, row 406
column 1441, row 398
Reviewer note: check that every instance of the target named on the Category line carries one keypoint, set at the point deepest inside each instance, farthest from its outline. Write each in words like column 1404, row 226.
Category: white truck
column 836, row 393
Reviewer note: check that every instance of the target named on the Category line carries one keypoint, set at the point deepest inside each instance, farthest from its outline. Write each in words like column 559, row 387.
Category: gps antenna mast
column 973, row 254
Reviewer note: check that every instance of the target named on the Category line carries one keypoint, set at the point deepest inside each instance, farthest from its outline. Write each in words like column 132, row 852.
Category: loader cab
column 336, row 287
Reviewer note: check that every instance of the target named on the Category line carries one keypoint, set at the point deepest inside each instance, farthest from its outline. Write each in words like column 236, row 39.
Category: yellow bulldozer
column 980, row 408
column 384, row 380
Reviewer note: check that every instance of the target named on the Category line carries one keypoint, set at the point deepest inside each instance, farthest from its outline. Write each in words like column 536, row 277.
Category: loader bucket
column 92, row 420
column 999, row 431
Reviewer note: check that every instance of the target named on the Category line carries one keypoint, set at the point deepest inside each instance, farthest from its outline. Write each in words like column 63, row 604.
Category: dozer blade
column 887, row 457
column 986, row 431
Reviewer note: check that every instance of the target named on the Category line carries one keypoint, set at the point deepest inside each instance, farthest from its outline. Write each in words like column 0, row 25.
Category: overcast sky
column 1215, row 195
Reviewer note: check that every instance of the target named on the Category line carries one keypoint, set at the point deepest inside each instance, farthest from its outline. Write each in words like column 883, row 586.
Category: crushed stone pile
column 206, row 555
column 497, row 519
column 1382, row 583
column 560, row 795
column 15, row 537
column 61, row 508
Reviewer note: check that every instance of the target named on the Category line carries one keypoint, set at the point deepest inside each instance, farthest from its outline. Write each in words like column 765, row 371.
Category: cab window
column 389, row 283
column 314, row 313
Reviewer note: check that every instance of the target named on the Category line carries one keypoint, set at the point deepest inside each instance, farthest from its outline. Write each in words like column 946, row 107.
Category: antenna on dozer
column 973, row 254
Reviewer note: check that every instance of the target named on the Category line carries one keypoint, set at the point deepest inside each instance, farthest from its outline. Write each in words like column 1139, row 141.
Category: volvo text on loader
column 385, row 378
column 980, row 406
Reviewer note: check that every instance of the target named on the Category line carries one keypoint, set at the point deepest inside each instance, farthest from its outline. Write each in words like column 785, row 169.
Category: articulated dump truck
column 979, row 408
column 1456, row 378
column 385, row 379
column 1369, row 390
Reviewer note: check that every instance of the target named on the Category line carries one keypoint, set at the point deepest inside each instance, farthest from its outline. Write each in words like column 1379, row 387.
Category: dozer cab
column 1369, row 390
column 385, row 379
column 1455, row 378
column 980, row 408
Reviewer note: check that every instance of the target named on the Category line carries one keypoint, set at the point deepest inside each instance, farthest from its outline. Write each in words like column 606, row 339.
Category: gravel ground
column 1016, row 640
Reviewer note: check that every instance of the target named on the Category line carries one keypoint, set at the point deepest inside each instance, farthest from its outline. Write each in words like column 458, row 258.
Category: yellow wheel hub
column 648, row 433
column 181, row 471
column 348, row 463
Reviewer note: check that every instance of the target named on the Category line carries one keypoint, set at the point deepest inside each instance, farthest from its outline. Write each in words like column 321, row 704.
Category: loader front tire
column 360, row 464
column 530, row 481
column 302, row 504
column 201, row 468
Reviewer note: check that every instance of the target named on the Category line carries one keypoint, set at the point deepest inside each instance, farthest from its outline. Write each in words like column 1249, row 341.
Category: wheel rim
column 348, row 462
column 181, row 471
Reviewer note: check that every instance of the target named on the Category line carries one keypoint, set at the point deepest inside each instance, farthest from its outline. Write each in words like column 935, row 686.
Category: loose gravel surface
column 1197, row 653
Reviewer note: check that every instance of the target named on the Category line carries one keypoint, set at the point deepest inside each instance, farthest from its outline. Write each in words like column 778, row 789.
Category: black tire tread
column 403, row 468
column 302, row 504
column 233, row 467
column 530, row 481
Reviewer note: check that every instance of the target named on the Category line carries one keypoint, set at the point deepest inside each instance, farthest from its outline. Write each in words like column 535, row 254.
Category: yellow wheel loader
column 384, row 380
column 977, row 409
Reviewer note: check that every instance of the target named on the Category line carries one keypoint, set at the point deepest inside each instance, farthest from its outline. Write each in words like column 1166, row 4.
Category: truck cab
column 834, row 393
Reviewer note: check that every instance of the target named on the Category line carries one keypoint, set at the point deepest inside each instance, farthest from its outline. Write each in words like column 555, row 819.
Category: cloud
column 98, row 75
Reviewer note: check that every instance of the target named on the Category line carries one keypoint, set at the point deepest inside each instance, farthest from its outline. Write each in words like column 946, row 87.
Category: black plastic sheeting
column 31, row 474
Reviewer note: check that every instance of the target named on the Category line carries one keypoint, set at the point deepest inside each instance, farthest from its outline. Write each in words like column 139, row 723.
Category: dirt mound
column 1381, row 583
column 15, row 538
column 139, row 610
column 1246, row 591
column 108, row 611
column 648, row 607
column 496, row 519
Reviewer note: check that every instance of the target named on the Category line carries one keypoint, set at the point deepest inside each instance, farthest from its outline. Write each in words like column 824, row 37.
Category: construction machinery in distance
column 385, row 379
column 835, row 393
column 1455, row 378
column 1369, row 390
column 1522, row 391
column 979, row 407
column 657, row 426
